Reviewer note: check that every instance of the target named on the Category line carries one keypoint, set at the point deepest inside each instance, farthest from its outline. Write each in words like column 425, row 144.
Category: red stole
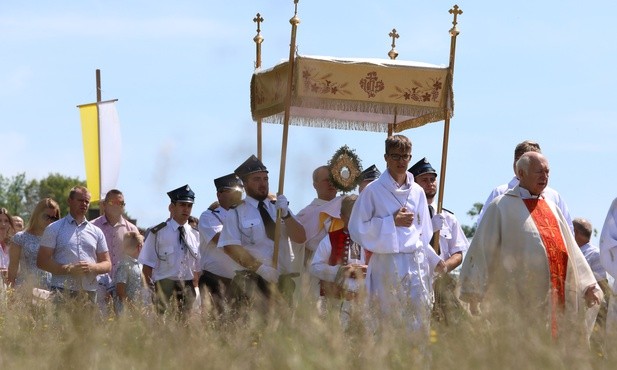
column 556, row 252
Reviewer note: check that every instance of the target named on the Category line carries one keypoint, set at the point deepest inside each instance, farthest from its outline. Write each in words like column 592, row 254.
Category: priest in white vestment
column 391, row 220
column 523, row 258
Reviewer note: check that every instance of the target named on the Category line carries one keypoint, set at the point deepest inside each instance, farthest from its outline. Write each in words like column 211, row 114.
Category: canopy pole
column 258, row 40
column 98, row 134
column 454, row 32
column 292, row 48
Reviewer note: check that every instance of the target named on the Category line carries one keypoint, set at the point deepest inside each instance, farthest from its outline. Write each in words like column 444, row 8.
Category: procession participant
column 74, row 251
column 114, row 226
column 26, row 244
column 524, row 260
column 128, row 281
column 549, row 193
column 217, row 267
column 452, row 244
column 608, row 258
column 170, row 256
column 316, row 218
column 248, row 234
column 367, row 176
column 339, row 263
column 390, row 219
column 18, row 224
column 6, row 233
column 582, row 235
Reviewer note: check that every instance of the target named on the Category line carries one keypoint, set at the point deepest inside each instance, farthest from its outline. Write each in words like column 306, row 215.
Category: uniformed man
column 217, row 267
column 248, row 232
column 170, row 255
column 452, row 243
column 367, row 176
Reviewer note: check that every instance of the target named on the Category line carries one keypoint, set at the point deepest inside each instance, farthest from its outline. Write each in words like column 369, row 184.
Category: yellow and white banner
column 100, row 127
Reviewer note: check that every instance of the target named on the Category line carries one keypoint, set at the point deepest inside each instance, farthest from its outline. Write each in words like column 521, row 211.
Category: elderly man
column 74, row 251
column 524, row 259
column 249, row 232
column 114, row 226
column 391, row 220
column 549, row 193
column 316, row 219
column 170, row 256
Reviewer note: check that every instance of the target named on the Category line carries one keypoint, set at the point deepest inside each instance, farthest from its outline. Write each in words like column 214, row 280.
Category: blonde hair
column 132, row 240
column 36, row 221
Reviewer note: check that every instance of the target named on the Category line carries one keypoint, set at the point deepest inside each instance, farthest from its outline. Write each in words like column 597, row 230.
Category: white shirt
column 608, row 243
column 452, row 239
column 243, row 226
column 169, row 260
column 214, row 259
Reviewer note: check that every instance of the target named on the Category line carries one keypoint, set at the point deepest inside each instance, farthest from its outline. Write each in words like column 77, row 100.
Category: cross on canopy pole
column 258, row 40
column 446, row 130
column 292, row 48
column 393, row 54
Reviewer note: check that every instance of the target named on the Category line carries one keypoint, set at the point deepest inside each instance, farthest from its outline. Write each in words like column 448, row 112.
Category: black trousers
column 178, row 295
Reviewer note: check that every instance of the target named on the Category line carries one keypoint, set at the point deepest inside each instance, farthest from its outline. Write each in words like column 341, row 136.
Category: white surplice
column 400, row 270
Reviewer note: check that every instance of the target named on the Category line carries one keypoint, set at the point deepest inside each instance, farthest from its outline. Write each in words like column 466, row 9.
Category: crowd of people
column 384, row 254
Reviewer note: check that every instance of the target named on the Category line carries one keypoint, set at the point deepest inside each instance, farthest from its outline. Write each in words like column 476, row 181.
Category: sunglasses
column 51, row 218
column 116, row 203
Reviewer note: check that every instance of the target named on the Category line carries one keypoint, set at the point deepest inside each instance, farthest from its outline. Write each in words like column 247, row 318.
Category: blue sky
column 181, row 71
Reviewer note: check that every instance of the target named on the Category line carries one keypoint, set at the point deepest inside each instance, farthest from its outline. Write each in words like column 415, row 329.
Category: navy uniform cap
column 230, row 181
column 421, row 167
column 371, row 173
column 182, row 194
column 251, row 165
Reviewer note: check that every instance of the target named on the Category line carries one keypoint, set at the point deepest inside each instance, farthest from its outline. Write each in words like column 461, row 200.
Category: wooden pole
column 98, row 135
column 292, row 49
column 454, row 32
column 258, row 40
column 393, row 54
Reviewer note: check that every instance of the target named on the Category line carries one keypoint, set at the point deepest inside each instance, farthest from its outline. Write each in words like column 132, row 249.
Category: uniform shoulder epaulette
column 158, row 227
column 236, row 205
column 447, row 210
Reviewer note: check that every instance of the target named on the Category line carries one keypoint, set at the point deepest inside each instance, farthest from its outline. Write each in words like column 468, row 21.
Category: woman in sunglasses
column 25, row 247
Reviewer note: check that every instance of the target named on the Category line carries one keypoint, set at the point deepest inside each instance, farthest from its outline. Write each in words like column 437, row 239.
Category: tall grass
column 40, row 336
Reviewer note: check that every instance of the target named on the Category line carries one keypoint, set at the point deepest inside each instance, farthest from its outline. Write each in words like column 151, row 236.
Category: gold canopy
column 354, row 94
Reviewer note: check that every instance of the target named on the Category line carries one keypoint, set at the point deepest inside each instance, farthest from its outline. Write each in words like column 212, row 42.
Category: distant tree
column 17, row 194
column 57, row 187
column 473, row 213
column 20, row 195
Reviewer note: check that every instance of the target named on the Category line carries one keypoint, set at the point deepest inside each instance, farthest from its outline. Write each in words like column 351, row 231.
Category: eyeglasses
column 115, row 202
column 398, row 157
column 51, row 218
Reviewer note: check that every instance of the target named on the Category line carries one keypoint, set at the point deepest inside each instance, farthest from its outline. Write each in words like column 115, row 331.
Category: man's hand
column 592, row 296
column 403, row 218
column 438, row 221
column 282, row 204
column 79, row 268
column 269, row 274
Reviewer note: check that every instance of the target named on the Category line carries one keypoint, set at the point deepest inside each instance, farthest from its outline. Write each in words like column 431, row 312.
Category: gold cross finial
column 392, row 53
column 258, row 19
column 456, row 12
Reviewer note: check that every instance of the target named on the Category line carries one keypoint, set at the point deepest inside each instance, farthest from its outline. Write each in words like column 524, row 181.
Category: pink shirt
column 114, row 235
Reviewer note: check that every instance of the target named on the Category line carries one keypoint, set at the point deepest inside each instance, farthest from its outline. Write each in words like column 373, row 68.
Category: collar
column 525, row 194
column 393, row 184
column 120, row 221
column 513, row 182
column 72, row 220
column 254, row 202
column 175, row 225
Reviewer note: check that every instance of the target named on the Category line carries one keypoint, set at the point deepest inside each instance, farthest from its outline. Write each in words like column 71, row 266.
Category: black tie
column 268, row 222
column 182, row 238
column 431, row 211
